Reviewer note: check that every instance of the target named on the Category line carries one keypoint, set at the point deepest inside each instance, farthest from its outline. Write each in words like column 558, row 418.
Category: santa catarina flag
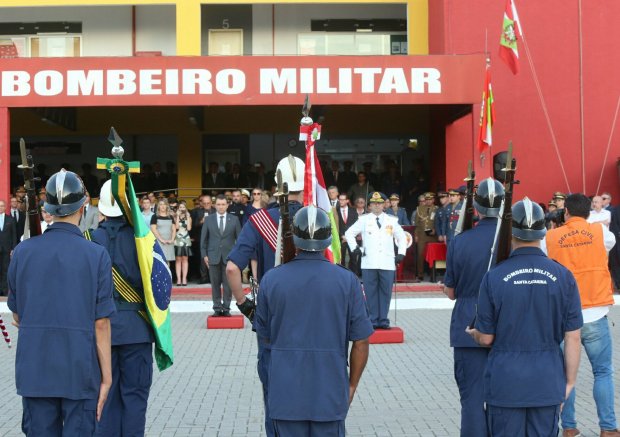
column 315, row 193
column 511, row 33
column 487, row 114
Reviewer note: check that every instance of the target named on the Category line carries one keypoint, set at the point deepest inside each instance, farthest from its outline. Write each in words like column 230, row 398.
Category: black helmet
column 65, row 193
column 312, row 230
column 528, row 221
column 489, row 197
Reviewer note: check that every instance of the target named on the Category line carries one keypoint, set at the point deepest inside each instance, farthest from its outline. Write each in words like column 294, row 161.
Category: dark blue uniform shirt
column 128, row 327
column 453, row 212
column 251, row 244
column 60, row 284
column 403, row 220
column 441, row 220
column 528, row 302
column 309, row 310
column 466, row 263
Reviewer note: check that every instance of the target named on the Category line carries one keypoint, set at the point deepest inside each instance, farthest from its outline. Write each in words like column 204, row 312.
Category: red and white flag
column 511, row 33
column 315, row 193
column 487, row 114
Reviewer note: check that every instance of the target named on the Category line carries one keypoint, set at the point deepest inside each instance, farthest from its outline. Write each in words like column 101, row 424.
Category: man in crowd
column 559, row 198
column 362, row 188
column 124, row 413
column 424, row 231
column 217, row 238
column 312, row 342
column 19, row 216
column 62, row 372
column 441, row 216
column 346, row 217
column 198, row 214
column 606, row 197
column 147, row 212
column 258, row 241
column 528, row 306
column 454, row 211
column 214, row 179
column 236, row 208
column 8, row 241
column 332, row 193
column 599, row 214
column 582, row 247
column 90, row 217
column 379, row 232
column 467, row 262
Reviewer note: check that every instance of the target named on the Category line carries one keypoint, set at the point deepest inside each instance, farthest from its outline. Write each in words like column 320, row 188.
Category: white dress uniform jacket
column 378, row 242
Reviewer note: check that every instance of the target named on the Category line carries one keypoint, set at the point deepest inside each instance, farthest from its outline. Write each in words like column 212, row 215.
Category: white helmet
column 107, row 205
column 293, row 172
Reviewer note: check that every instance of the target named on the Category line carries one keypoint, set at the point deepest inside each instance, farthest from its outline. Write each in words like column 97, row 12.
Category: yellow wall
column 189, row 24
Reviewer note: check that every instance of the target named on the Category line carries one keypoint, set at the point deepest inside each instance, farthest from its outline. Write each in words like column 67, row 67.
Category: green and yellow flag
column 156, row 276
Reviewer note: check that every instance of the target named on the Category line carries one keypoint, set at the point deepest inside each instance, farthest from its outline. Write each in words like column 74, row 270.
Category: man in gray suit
column 90, row 218
column 217, row 238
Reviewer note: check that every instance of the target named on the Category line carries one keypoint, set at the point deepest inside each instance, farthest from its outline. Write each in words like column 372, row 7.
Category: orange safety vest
column 579, row 246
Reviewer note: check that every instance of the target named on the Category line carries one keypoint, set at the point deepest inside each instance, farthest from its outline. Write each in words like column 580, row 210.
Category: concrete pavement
column 213, row 390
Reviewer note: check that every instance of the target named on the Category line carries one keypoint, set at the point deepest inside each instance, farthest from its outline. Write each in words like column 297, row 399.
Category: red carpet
column 205, row 290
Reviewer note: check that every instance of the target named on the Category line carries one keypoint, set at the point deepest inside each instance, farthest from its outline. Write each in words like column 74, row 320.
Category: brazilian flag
column 156, row 276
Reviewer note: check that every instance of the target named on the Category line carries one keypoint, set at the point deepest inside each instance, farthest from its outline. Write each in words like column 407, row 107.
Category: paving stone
column 212, row 389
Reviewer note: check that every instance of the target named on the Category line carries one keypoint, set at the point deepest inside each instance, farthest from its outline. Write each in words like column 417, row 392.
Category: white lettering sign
column 227, row 81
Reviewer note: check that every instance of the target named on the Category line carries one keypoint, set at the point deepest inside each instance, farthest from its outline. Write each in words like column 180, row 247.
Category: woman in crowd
column 164, row 227
column 395, row 210
column 182, row 243
column 255, row 204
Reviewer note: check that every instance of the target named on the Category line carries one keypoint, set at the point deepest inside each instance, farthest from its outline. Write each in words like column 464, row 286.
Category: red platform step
column 232, row 322
column 383, row 336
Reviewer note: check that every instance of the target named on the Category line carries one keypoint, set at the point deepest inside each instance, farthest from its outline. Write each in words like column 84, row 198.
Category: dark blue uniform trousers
column 264, row 357
column 56, row 417
column 469, row 365
column 306, row 428
column 378, row 289
column 124, row 413
column 523, row 422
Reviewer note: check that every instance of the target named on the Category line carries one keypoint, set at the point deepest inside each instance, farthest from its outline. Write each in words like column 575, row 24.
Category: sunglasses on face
column 256, row 194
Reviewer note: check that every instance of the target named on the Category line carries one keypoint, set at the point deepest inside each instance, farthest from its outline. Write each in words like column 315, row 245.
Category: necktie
column 221, row 224
column 378, row 223
column 344, row 215
column 15, row 214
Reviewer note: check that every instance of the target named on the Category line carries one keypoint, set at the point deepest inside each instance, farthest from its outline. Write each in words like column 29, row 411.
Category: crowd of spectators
column 248, row 189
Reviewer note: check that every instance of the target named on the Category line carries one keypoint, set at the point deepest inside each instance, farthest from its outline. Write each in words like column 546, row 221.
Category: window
column 58, row 46
column 345, row 43
column 40, row 39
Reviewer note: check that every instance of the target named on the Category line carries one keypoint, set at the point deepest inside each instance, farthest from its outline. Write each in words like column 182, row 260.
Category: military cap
column 377, row 197
column 442, row 193
column 429, row 195
column 394, row 196
column 462, row 189
column 559, row 195
column 245, row 192
column 452, row 192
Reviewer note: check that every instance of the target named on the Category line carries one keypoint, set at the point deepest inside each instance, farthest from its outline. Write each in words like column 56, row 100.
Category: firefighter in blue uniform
column 61, row 299
column 258, row 240
column 309, row 310
column 466, row 263
column 453, row 211
column 528, row 305
column 441, row 217
column 124, row 413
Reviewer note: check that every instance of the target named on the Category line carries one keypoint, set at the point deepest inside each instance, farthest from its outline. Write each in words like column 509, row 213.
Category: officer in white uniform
column 378, row 231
